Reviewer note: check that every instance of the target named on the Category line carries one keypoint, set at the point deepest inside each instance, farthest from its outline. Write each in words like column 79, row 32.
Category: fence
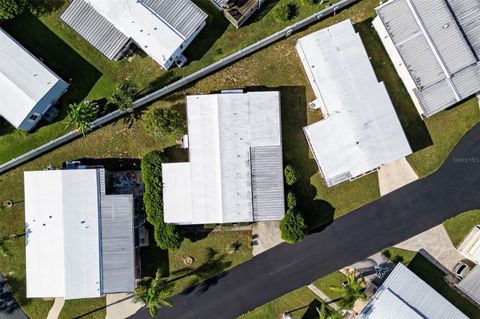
column 147, row 99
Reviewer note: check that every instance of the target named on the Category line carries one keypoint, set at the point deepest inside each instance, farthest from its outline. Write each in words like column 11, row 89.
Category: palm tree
column 352, row 290
column 155, row 295
column 81, row 114
column 328, row 314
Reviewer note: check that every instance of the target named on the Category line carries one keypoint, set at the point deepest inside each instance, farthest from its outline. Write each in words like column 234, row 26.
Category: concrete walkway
column 437, row 243
column 56, row 308
column 120, row 306
column 394, row 175
column 265, row 236
column 322, row 296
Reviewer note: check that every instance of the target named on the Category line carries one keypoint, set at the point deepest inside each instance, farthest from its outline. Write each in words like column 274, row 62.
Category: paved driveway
column 391, row 219
column 9, row 308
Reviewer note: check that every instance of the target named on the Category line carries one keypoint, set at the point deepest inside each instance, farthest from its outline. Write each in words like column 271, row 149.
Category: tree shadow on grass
column 413, row 125
column 45, row 45
column 312, row 312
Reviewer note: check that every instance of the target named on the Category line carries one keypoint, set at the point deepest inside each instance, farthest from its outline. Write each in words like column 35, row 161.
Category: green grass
column 94, row 77
column 210, row 255
column 459, row 226
column 333, row 280
column 300, row 304
column 93, row 308
column 434, row 277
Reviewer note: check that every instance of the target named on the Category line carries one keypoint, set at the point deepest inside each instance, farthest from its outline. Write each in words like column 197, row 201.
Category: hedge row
column 166, row 235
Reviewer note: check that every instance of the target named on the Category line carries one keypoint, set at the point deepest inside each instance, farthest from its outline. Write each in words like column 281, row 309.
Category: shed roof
column 24, row 80
column 361, row 131
column 224, row 130
column 471, row 284
column 78, row 241
column 404, row 295
column 438, row 42
column 470, row 246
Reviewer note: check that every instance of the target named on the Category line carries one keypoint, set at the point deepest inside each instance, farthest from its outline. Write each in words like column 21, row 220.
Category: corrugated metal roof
column 182, row 15
column 471, row 284
column 404, row 295
column 361, row 130
column 267, row 183
column 24, row 81
column 118, row 262
column 467, row 13
column 94, row 28
column 434, row 49
column 222, row 129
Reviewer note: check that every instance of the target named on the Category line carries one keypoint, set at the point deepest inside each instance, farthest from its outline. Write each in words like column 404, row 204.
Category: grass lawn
column 459, row 226
column 115, row 141
column 94, row 77
column 333, row 280
column 93, row 308
column 210, row 255
column 300, row 304
column 434, row 277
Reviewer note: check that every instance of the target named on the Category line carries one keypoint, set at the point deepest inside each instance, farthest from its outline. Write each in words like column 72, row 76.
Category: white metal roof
column 405, row 295
column 156, row 26
column 69, row 253
column 470, row 285
column 222, row 131
column 470, row 246
column 24, row 80
column 438, row 43
column 361, row 130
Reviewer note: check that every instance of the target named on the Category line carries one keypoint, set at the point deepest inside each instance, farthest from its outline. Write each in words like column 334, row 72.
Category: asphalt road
column 9, row 308
column 421, row 205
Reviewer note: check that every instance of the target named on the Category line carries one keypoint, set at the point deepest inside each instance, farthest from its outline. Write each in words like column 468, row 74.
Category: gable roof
column 405, row 295
column 435, row 48
column 224, row 130
column 158, row 27
column 24, row 81
column 361, row 130
column 79, row 242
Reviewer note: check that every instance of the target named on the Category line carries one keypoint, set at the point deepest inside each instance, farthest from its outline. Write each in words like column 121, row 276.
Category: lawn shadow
column 153, row 258
column 312, row 312
column 413, row 125
column 45, row 45
column 260, row 14
column 216, row 26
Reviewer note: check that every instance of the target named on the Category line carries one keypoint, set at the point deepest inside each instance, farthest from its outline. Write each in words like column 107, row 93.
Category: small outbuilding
column 404, row 295
column 360, row 131
column 28, row 88
column 435, row 48
column 235, row 168
column 163, row 29
column 79, row 240
column 237, row 11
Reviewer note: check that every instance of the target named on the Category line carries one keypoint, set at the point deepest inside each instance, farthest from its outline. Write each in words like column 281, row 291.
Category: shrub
column 124, row 94
column 293, row 227
column 81, row 114
column 291, row 175
column 9, row 9
column 283, row 12
column 166, row 235
column 162, row 121
column 291, row 200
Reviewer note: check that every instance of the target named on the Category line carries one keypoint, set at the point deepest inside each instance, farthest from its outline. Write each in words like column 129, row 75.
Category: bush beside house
column 166, row 235
column 293, row 227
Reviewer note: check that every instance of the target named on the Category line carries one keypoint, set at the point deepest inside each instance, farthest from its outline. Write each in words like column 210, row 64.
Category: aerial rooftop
column 404, row 295
column 161, row 28
column 79, row 241
column 361, row 130
column 235, row 170
column 27, row 85
column 435, row 47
